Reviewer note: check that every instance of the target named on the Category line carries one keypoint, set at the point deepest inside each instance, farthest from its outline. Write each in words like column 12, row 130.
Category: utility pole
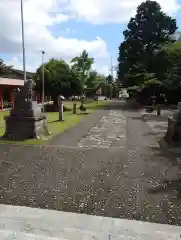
column 43, row 83
column 23, row 41
column 112, row 69
column 112, row 77
column 112, row 73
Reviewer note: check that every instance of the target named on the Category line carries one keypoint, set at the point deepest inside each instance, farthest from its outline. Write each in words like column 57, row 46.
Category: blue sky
column 63, row 28
column 111, row 33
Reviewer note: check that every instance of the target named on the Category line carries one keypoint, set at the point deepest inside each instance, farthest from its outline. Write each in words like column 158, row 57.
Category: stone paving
column 158, row 124
column 110, row 132
column 138, row 181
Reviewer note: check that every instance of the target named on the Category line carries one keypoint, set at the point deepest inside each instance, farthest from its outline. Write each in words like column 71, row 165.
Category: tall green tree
column 145, row 33
column 82, row 65
column 59, row 79
column 94, row 82
column 94, row 79
column 4, row 68
column 171, row 57
column 109, row 79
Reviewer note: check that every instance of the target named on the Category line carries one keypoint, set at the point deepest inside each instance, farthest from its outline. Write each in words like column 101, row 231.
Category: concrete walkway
column 114, row 168
column 28, row 223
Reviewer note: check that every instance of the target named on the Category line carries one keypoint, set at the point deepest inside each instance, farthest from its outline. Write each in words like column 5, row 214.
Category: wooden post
column 74, row 108
column 158, row 110
column 12, row 97
column 61, row 118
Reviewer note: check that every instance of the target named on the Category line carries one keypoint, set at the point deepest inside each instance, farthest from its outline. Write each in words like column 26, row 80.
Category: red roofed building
column 9, row 81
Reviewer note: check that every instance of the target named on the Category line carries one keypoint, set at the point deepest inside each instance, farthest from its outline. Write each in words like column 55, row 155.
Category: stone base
column 173, row 134
column 20, row 128
column 32, row 110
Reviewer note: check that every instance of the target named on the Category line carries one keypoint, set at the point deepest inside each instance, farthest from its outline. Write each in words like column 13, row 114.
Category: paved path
column 109, row 132
column 134, row 181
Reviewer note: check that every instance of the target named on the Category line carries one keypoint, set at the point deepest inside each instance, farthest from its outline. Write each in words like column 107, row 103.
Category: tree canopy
column 82, row 65
column 94, row 79
column 144, row 36
column 59, row 79
column 171, row 58
column 68, row 79
column 3, row 67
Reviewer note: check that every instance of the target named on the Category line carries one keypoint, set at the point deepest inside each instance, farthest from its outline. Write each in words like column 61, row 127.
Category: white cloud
column 33, row 62
column 31, row 65
column 38, row 16
column 116, row 11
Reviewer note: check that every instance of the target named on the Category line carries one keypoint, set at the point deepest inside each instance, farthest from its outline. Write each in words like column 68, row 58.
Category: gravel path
column 135, row 181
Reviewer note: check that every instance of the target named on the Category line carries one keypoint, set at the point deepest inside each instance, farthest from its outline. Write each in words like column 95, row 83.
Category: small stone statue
column 24, row 95
column 30, row 86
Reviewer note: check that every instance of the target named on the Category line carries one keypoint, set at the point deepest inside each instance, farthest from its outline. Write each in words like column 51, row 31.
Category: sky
column 63, row 28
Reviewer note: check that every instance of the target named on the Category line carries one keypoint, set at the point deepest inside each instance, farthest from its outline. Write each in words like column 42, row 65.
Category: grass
column 55, row 126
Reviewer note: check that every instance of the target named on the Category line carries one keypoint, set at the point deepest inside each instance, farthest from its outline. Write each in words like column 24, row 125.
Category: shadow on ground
column 172, row 182
column 167, row 186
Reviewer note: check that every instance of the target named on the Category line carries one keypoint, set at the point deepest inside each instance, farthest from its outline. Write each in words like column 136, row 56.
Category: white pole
column 23, row 42
column 111, row 68
column 43, row 83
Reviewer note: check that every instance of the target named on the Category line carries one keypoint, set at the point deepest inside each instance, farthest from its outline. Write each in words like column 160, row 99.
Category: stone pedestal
column 61, row 118
column 173, row 134
column 20, row 128
column 26, row 119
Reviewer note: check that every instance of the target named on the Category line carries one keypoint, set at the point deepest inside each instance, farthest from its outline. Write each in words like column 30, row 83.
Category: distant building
column 9, row 81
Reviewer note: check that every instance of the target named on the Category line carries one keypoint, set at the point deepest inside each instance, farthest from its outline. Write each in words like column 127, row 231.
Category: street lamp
column 23, row 41
column 43, row 82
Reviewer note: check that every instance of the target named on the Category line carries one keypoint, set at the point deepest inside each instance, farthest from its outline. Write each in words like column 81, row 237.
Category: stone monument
column 26, row 119
column 173, row 134
column 60, row 108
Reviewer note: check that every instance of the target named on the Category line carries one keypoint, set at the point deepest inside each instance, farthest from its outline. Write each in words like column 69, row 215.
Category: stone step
column 24, row 223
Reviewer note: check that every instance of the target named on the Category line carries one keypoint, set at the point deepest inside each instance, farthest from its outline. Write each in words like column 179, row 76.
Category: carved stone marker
column 26, row 119
column 60, row 105
column 173, row 134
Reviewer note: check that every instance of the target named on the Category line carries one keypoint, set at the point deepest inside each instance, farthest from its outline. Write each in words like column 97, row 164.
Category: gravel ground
column 138, row 181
